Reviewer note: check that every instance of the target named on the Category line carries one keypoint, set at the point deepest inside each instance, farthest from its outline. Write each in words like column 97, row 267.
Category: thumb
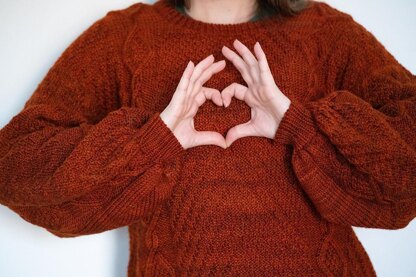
column 209, row 138
column 239, row 131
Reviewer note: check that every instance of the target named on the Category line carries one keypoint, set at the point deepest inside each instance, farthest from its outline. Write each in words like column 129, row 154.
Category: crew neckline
column 260, row 14
column 175, row 17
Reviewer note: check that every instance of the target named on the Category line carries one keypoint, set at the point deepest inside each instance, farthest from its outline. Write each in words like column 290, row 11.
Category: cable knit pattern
column 89, row 152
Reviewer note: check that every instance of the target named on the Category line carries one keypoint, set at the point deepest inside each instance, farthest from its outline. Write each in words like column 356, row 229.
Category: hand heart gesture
column 268, row 104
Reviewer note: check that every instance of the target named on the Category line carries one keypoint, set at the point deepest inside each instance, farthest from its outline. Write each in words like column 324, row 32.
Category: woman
column 318, row 139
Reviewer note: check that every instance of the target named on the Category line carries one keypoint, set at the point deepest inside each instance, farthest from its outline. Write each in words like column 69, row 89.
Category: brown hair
column 283, row 7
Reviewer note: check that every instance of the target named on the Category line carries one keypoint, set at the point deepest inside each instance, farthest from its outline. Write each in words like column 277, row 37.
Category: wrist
column 164, row 115
column 280, row 107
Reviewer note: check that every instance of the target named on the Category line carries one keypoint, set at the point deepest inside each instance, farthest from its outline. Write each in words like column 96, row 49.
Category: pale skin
column 268, row 104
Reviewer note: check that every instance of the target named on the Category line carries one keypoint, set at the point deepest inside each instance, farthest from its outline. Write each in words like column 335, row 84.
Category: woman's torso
column 238, row 211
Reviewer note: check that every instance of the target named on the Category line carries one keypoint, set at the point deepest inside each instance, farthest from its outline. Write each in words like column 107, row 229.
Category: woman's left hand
column 268, row 104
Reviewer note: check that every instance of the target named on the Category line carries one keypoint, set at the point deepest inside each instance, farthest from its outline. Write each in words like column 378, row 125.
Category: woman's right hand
column 188, row 97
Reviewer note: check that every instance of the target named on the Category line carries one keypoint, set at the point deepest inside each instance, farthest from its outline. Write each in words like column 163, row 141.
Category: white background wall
column 32, row 36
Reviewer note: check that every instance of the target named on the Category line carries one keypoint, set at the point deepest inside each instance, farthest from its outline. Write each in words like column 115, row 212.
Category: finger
column 199, row 68
column 234, row 90
column 249, row 59
column 206, row 75
column 265, row 72
column 239, row 131
column 200, row 98
column 209, row 138
column 186, row 75
column 213, row 94
column 179, row 96
column 239, row 63
column 184, row 80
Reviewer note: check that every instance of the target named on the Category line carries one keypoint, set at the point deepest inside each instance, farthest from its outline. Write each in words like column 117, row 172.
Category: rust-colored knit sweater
column 89, row 152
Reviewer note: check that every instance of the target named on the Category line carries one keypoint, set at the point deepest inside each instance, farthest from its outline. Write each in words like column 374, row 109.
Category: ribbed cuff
column 297, row 126
column 158, row 141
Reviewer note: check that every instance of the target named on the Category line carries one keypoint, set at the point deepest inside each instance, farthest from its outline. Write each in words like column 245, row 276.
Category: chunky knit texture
column 89, row 152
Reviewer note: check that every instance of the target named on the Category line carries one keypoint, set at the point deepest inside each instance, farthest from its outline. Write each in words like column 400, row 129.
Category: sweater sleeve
column 354, row 150
column 76, row 162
